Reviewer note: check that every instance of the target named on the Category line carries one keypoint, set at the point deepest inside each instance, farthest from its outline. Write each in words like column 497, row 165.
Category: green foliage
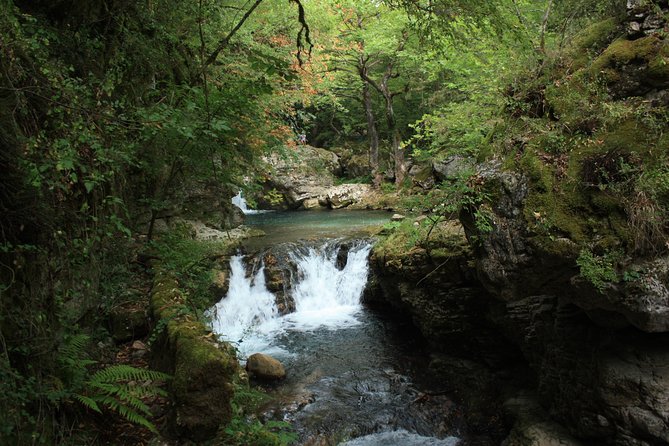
column 599, row 270
column 274, row 197
column 121, row 388
column 190, row 261
column 246, row 429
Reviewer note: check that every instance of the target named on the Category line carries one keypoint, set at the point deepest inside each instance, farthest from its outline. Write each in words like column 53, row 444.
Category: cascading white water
column 247, row 305
column 239, row 201
column 324, row 296
column 337, row 364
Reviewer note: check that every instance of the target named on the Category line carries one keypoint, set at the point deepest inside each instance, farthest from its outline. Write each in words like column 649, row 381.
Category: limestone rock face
column 450, row 168
column 533, row 427
column 599, row 359
column 306, row 179
column 421, row 176
column 346, row 194
column 265, row 367
column 643, row 302
column 643, row 18
column 597, row 389
column 357, row 166
column 303, row 173
column 505, row 261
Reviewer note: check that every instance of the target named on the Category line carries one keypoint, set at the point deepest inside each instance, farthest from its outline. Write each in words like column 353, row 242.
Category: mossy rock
column 203, row 368
column 562, row 207
column 592, row 39
column 633, row 67
column 128, row 322
column 576, row 104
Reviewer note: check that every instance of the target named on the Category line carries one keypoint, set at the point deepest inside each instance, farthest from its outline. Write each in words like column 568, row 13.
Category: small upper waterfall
column 325, row 292
column 239, row 201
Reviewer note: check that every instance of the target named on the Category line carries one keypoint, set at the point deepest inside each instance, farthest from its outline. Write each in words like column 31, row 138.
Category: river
column 355, row 377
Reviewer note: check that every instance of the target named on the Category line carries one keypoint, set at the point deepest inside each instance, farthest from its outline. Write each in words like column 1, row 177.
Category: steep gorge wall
column 575, row 355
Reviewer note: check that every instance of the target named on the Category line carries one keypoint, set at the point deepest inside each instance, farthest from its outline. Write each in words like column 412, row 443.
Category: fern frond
column 88, row 402
column 110, row 387
column 122, row 372
column 128, row 413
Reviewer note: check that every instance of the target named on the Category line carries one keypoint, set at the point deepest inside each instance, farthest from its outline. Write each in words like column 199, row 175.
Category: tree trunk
column 396, row 148
column 372, row 132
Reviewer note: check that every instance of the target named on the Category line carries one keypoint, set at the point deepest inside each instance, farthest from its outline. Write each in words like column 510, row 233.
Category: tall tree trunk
column 383, row 88
column 372, row 132
column 396, row 147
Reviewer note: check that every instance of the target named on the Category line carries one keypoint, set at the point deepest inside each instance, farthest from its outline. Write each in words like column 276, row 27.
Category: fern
column 111, row 387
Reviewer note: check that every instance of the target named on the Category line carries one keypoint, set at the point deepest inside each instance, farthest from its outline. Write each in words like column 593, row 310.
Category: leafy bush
column 599, row 270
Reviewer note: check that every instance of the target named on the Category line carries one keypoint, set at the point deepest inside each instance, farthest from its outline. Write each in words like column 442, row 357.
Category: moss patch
column 649, row 54
column 203, row 368
column 592, row 39
column 400, row 240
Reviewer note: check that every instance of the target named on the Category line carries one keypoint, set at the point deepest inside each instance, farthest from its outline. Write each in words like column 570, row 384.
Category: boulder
column 346, row 194
column 264, row 367
column 643, row 301
column 421, row 176
column 533, row 425
column 302, row 173
column 357, row 166
column 311, row 203
column 451, row 168
column 397, row 217
column 220, row 282
column 644, row 18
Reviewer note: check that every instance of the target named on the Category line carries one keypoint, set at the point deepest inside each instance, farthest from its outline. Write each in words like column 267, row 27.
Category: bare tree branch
column 226, row 40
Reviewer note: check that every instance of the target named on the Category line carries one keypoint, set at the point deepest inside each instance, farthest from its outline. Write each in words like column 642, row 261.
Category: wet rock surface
column 594, row 362
column 264, row 367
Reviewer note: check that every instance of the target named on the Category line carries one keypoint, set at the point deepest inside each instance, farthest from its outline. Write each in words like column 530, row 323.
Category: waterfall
column 239, row 201
column 248, row 302
column 326, row 295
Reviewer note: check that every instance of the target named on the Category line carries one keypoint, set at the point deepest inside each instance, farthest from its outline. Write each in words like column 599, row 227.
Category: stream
column 354, row 377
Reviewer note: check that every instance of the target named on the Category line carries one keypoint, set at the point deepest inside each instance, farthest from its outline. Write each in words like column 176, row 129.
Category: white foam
column 239, row 201
column 324, row 297
column 400, row 437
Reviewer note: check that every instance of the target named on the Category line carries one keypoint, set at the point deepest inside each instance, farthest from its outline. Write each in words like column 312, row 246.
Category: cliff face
column 571, row 278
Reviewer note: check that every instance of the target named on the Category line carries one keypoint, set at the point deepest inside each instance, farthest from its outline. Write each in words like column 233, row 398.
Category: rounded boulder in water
column 265, row 367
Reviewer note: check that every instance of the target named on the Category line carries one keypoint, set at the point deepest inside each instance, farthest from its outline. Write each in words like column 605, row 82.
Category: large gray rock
column 645, row 17
column 451, row 168
column 533, row 426
column 598, row 380
column 357, row 166
column 421, row 176
column 643, row 301
column 346, row 194
column 303, row 173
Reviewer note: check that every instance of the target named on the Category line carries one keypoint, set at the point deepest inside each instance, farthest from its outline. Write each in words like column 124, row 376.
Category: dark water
column 351, row 382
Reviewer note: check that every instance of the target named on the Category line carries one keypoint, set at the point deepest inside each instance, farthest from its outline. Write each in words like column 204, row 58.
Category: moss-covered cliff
column 568, row 221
